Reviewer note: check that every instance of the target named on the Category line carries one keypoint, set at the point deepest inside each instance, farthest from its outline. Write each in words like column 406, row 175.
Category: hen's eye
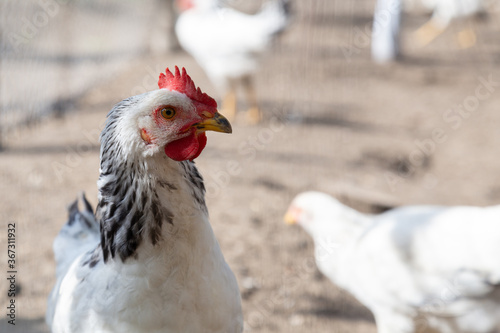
column 168, row 113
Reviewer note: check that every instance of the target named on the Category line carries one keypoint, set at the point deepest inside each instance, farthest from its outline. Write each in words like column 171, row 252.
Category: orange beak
column 292, row 215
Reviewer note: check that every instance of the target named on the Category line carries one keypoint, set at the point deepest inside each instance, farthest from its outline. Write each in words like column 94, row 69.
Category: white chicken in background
column 148, row 261
column 387, row 25
column 228, row 45
column 443, row 12
column 417, row 268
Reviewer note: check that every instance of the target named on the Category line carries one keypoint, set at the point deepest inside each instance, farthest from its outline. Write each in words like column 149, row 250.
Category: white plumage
column 387, row 25
column 415, row 267
column 148, row 261
column 443, row 11
column 228, row 44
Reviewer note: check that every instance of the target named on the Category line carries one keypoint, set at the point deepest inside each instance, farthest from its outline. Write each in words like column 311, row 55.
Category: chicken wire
column 52, row 51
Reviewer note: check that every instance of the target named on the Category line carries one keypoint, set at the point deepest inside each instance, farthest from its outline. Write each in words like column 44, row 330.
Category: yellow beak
column 217, row 123
column 289, row 218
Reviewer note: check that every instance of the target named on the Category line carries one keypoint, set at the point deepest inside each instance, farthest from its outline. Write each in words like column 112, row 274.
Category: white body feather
column 414, row 267
column 225, row 42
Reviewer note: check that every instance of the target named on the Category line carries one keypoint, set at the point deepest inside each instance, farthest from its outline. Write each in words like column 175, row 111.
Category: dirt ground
column 422, row 131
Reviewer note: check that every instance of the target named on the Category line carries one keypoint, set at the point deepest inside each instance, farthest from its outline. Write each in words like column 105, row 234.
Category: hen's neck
column 144, row 201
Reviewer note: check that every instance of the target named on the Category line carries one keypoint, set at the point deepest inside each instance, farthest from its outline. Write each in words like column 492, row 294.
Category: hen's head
column 184, row 5
column 172, row 119
column 313, row 210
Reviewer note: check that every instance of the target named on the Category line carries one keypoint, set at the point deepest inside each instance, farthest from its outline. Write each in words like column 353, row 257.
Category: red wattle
column 187, row 148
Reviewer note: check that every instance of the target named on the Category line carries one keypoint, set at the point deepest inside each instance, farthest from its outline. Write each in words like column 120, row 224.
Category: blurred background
column 422, row 129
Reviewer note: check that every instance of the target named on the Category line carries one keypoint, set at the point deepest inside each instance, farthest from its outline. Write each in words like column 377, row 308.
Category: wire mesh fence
column 52, row 51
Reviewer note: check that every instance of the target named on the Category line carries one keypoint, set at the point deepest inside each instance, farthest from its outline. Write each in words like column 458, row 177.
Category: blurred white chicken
column 443, row 11
column 386, row 24
column 416, row 268
column 228, row 45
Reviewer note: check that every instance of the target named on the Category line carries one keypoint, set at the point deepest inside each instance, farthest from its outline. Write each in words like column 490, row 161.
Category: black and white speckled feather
column 129, row 207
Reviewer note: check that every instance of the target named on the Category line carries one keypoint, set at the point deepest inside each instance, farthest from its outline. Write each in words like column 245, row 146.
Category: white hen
column 149, row 260
column 415, row 267
column 228, row 44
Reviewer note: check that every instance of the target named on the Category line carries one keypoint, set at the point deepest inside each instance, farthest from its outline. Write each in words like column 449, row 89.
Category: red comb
column 184, row 84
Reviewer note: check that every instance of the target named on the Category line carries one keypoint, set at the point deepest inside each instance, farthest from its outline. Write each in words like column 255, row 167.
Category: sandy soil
column 374, row 136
